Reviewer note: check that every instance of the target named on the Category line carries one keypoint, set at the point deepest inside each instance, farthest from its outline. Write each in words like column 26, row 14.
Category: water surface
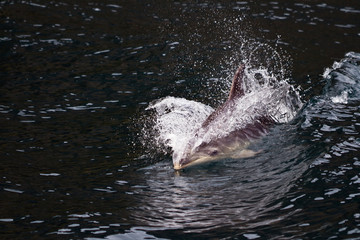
column 76, row 78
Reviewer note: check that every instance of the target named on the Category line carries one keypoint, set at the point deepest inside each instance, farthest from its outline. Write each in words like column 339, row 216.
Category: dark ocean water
column 76, row 77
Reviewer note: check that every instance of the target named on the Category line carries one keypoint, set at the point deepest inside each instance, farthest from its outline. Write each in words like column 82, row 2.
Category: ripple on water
column 74, row 73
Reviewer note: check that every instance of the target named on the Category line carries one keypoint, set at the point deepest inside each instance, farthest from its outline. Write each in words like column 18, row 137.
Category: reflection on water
column 75, row 79
column 223, row 195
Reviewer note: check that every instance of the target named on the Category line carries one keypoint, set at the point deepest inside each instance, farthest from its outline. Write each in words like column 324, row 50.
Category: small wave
column 335, row 111
column 343, row 79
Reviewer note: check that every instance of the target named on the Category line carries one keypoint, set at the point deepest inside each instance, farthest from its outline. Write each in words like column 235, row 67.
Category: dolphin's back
column 237, row 86
column 236, row 91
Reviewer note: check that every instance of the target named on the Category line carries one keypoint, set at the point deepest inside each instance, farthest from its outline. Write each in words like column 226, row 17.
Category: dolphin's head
column 202, row 153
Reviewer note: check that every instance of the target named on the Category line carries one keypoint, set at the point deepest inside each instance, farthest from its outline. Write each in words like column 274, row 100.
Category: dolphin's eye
column 214, row 152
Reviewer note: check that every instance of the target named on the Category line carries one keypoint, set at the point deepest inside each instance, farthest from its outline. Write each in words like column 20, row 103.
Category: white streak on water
column 50, row 174
column 6, row 220
column 13, row 190
column 100, row 52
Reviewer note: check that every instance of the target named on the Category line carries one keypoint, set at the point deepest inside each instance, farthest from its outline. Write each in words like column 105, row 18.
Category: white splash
column 343, row 98
column 178, row 120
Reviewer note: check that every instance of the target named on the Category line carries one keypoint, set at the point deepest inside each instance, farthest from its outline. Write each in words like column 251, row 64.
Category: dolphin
column 235, row 143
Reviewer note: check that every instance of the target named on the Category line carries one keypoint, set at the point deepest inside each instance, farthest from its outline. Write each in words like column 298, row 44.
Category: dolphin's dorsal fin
column 237, row 89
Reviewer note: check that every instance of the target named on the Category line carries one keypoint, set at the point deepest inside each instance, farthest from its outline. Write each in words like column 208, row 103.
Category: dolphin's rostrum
column 234, row 144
